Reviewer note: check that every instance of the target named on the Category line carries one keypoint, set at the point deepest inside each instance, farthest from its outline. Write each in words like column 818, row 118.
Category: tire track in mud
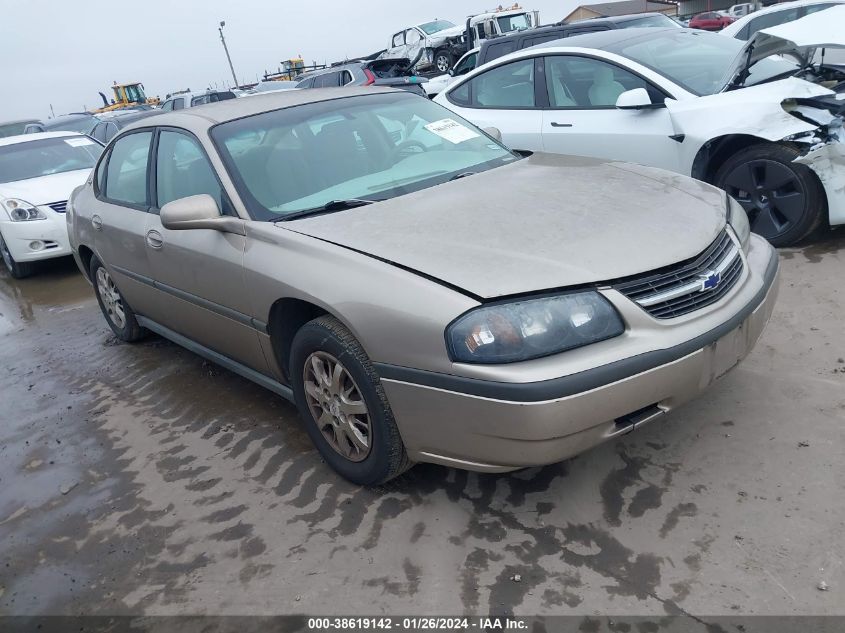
column 216, row 485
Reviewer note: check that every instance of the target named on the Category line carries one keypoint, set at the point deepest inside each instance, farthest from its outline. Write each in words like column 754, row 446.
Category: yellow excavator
column 127, row 96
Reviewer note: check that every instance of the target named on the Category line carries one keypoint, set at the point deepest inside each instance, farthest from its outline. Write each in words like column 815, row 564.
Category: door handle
column 154, row 239
column 97, row 222
column 556, row 124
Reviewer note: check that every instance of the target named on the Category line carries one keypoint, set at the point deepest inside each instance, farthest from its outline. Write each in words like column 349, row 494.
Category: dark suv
column 499, row 46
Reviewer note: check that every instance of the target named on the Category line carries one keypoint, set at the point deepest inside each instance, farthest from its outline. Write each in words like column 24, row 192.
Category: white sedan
column 742, row 116
column 37, row 174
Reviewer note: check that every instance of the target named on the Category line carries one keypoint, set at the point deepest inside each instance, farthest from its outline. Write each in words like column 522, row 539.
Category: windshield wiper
column 463, row 174
column 330, row 206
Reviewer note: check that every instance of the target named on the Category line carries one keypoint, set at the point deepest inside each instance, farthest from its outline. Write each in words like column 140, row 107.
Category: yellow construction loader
column 127, row 96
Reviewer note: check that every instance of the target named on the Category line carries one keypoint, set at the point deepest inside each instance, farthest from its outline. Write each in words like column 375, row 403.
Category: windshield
column 13, row 129
column 47, row 156
column 369, row 147
column 438, row 25
column 83, row 125
column 649, row 20
column 698, row 62
column 513, row 23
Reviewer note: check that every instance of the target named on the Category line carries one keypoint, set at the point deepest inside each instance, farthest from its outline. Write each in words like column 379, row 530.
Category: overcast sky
column 62, row 53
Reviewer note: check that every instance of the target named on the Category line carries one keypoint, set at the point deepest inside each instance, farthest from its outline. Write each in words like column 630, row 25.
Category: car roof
column 602, row 39
column 205, row 116
column 14, row 121
column 26, row 138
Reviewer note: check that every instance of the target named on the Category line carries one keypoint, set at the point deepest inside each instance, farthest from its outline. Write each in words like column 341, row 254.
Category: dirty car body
column 761, row 123
column 421, row 292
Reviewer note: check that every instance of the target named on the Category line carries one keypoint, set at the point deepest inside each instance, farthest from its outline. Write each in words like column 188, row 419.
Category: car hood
column 543, row 222
column 452, row 31
column 45, row 189
column 799, row 38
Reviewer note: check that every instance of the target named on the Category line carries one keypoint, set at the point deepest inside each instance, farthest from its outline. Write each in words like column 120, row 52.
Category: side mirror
column 495, row 132
column 451, row 72
column 636, row 99
column 198, row 212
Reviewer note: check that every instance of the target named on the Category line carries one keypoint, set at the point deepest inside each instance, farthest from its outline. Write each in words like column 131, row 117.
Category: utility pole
column 226, row 48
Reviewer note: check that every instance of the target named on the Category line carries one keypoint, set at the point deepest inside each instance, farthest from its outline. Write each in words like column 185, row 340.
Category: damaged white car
column 438, row 44
column 762, row 119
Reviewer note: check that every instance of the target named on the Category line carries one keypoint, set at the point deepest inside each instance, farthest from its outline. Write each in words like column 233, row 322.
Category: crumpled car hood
column 541, row 223
column 800, row 38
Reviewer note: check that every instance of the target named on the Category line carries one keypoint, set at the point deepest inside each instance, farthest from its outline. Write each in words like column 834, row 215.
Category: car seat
column 605, row 89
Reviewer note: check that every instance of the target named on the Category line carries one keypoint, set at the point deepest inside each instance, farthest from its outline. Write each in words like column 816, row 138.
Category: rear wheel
column 442, row 60
column 784, row 200
column 18, row 270
column 119, row 315
column 340, row 397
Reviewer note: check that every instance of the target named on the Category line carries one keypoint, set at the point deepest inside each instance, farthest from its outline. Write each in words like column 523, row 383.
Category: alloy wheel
column 771, row 194
column 442, row 63
column 337, row 406
column 110, row 296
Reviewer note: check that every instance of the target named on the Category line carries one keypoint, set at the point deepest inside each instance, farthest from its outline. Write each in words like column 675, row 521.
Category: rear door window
column 507, row 86
column 126, row 174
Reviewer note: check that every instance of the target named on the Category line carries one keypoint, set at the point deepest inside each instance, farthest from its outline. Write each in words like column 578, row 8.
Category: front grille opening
column 638, row 417
column 677, row 290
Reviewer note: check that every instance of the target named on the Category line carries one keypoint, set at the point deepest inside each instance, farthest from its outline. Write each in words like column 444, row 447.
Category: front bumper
column 52, row 233
column 496, row 427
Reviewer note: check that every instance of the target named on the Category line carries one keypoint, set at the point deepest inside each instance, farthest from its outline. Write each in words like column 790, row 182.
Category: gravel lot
column 144, row 480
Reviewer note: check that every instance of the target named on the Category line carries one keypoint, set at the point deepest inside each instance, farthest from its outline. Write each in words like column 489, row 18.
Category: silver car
column 421, row 292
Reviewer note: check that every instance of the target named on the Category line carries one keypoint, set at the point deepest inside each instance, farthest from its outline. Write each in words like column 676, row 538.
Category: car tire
column 784, row 200
column 341, row 399
column 118, row 314
column 18, row 270
column 442, row 60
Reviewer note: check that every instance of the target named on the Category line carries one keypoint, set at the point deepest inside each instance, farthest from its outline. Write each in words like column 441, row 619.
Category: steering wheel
column 408, row 148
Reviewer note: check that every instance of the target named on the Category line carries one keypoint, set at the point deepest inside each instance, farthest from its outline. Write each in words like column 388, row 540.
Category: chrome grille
column 690, row 285
column 58, row 207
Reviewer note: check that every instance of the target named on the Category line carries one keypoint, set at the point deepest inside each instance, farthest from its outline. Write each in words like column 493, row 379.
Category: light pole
column 226, row 48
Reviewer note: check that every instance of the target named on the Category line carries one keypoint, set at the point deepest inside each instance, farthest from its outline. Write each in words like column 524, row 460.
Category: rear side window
column 771, row 19
column 126, row 174
column 499, row 49
column 183, row 170
column 329, row 80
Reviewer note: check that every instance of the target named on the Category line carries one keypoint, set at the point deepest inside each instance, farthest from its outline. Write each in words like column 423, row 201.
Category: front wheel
column 442, row 60
column 18, row 270
column 340, row 397
column 784, row 200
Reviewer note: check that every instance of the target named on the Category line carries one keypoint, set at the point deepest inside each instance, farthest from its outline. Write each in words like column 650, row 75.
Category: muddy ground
column 142, row 479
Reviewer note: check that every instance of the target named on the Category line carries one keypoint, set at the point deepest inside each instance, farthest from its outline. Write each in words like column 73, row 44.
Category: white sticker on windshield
column 78, row 142
column 451, row 130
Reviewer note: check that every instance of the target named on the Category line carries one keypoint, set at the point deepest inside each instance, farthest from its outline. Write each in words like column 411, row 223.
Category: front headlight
column 532, row 328
column 738, row 219
column 21, row 211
